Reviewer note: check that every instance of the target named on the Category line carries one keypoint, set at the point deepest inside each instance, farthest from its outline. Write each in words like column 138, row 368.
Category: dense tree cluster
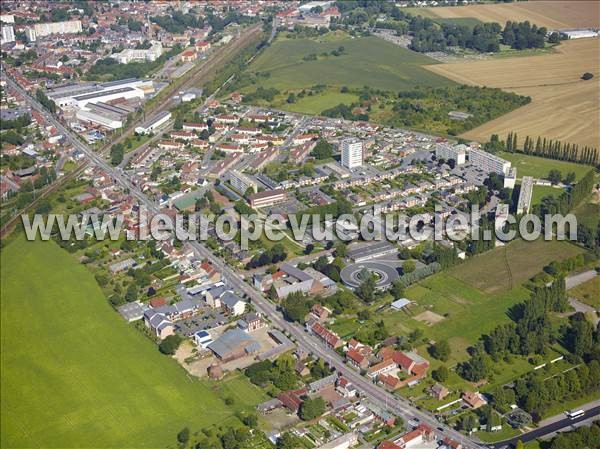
column 177, row 22
column 322, row 150
column 296, row 306
column 568, row 200
column 429, row 36
column 275, row 254
column 522, row 35
column 117, row 152
column 531, row 329
column 583, row 436
column 49, row 104
column 261, row 93
column 312, row 408
column 280, row 373
column 170, row 344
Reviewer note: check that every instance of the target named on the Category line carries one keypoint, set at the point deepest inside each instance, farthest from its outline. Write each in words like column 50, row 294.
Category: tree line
column 548, row 148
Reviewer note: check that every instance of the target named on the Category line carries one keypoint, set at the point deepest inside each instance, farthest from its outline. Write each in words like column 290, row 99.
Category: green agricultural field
column 539, row 167
column 366, row 61
column 74, row 374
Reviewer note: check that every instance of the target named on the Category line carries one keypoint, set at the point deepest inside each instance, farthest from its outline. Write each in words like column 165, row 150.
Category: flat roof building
column 241, row 182
column 456, row 152
column 352, row 153
column 525, row 194
column 488, row 162
column 155, row 122
column 268, row 198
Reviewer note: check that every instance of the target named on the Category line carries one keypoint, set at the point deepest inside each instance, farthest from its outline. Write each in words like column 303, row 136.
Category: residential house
column 473, row 399
column 233, row 303
column 329, row 338
column 438, row 391
column 251, row 322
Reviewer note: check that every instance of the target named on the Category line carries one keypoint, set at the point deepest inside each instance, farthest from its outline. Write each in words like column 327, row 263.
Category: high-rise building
column 8, row 34
column 352, row 153
column 456, row 152
column 488, row 162
column 69, row 26
column 30, row 34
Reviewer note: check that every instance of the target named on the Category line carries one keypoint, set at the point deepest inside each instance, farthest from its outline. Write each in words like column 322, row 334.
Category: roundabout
column 385, row 274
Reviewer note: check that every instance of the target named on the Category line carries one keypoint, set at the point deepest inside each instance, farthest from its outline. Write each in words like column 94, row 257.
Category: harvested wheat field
column 548, row 13
column 563, row 106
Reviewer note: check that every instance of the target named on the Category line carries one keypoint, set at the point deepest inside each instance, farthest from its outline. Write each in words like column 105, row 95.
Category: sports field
column 563, row 106
column 366, row 61
column 539, row 167
column 554, row 14
column 74, row 374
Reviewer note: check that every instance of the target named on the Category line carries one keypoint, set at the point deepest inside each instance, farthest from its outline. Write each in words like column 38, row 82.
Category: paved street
column 307, row 342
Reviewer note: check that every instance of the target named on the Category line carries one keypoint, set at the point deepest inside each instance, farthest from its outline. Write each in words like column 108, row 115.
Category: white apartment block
column 488, row 162
column 44, row 29
column 8, row 34
column 136, row 55
column 511, row 178
column 456, row 152
column 352, row 153
column 524, row 203
column 241, row 182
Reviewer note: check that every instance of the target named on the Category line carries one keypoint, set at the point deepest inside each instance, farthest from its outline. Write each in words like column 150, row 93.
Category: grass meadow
column 75, row 374
column 366, row 61
column 469, row 300
column 539, row 167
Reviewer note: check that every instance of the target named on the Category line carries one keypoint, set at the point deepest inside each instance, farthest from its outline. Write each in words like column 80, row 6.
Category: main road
column 304, row 340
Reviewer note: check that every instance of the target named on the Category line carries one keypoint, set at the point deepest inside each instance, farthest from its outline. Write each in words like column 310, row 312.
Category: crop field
column 74, row 374
column 366, row 61
column 559, row 97
column 539, row 167
column 548, row 13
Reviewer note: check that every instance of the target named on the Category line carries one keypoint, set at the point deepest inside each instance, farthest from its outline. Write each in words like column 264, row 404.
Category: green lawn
column 315, row 104
column 540, row 192
column 74, row 374
column 489, row 271
column 474, row 297
column 366, row 61
column 539, row 167
column 588, row 292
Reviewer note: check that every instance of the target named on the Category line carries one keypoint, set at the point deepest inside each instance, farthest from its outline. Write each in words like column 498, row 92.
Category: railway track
column 47, row 191
column 190, row 79
column 193, row 77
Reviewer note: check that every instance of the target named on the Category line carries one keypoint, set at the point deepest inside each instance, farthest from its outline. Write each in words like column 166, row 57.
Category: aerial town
column 450, row 334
